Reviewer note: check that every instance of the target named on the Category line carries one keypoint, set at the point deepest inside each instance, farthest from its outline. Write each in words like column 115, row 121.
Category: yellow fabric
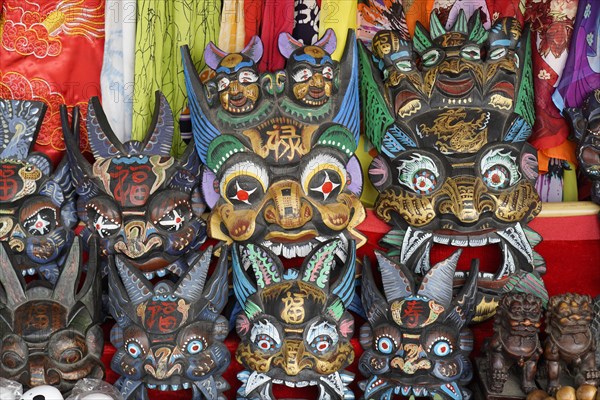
column 233, row 30
column 570, row 184
column 339, row 15
column 162, row 27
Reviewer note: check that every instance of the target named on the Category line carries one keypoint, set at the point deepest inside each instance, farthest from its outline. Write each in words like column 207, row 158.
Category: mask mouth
column 302, row 249
column 455, row 87
column 333, row 386
column 378, row 386
column 238, row 100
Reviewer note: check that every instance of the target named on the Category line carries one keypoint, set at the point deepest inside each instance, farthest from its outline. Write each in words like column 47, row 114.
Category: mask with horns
column 454, row 168
column 51, row 335
column 169, row 336
column 295, row 327
column 416, row 342
column 139, row 201
column 37, row 205
column 280, row 169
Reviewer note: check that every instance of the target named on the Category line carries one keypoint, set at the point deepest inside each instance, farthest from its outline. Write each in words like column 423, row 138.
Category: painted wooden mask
column 279, row 146
column 454, row 167
column 169, row 336
column 416, row 342
column 51, row 335
column 37, row 204
column 585, row 122
column 139, row 201
column 294, row 326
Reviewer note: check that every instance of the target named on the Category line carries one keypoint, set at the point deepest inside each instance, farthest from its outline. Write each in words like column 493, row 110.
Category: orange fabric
column 564, row 151
column 417, row 10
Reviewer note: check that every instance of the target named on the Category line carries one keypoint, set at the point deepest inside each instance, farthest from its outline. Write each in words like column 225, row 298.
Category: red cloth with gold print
column 52, row 51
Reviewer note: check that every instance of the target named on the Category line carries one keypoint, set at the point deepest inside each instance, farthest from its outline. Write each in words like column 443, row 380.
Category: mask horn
column 437, row 283
column 66, row 286
column 135, row 284
column 103, row 141
column 287, row 44
column 435, row 26
column 27, row 116
column 345, row 284
column 191, row 284
column 266, row 265
column 397, row 280
column 81, row 170
column 242, row 286
column 11, row 280
column 254, row 49
column 213, row 55
column 216, row 291
column 318, row 265
column 328, row 42
column 373, row 302
column 464, row 303
column 159, row 138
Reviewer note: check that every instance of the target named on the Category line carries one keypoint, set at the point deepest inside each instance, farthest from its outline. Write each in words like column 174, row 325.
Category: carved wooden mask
column 139, row 201
column 51, row 335
column 279, row 146
column 37, row 204
column 451, row 126
column 169, row 336
column 416, row 341
column 585, row 122
column 294, row 326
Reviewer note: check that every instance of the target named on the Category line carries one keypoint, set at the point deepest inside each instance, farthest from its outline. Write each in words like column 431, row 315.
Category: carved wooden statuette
column 138, row 200
column 37, row 205
column 450, row 113
column 416, row 341
column 515, row 342
column 169, row 336
column 295, row 327
column 570, row 343
column 279, row 147
column 585, row 123
column 51, row 336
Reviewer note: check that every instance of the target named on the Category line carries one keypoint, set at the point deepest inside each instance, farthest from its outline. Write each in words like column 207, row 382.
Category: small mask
column 416, row 341
column 454, row 166
column 283, row 174
column 138, row 200
column 51, row 336
column 585, row 123
column 294, row 326
column 37, row 205
column 169, row 336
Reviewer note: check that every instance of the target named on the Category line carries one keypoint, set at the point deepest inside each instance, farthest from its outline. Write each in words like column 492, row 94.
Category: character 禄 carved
column 295, row 327
column 37, row 205
column 169, row 336
column 570, row 343
column 138, row 200
column 416, row 341
column 450, row 112
column 51, row 335
column 515, row 342
column 585, row 123
column 279, row 146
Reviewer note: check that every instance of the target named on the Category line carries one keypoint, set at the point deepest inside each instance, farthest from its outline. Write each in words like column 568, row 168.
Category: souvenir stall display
column 233, row 184
column 454, row 167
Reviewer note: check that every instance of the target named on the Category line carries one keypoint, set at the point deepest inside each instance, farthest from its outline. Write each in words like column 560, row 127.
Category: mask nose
column 412, row 360
column 39, row 373
column 289, row 209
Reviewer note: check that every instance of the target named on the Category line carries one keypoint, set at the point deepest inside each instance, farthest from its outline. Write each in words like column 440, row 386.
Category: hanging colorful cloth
column 162, row 27
column 339, row 15
column 448, row 10
column 117, row 69
column 582, row 71
column 276, row 19
column 377, row 15
column 232, row 34
column 253, row 10
column 306, row 16
column 52, row 51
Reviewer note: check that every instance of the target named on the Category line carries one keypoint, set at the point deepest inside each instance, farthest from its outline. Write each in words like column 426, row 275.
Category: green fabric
column 162, row 27
column 570, row 184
